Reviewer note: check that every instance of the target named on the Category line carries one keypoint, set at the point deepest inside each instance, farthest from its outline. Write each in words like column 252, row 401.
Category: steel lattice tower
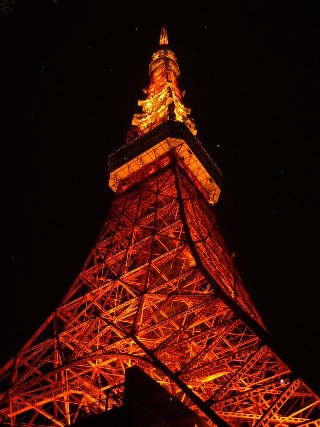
column 158, row 290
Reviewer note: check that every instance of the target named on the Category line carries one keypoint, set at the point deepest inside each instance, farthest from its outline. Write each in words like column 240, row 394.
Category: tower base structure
column 159, row 291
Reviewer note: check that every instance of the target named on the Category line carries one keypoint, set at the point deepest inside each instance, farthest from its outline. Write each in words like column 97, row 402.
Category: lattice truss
column 153, row 292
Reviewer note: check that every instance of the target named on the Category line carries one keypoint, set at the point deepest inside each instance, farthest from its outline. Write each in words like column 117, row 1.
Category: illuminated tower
column 159, row 290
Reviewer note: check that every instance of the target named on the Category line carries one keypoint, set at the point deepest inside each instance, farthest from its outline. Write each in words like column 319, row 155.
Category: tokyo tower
column 159, row 290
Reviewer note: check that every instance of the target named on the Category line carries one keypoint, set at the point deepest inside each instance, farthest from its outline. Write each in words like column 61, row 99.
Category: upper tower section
column 163, row 95
column 163, row 133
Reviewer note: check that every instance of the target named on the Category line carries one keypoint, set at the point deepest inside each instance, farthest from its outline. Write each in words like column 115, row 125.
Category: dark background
column 73, row 72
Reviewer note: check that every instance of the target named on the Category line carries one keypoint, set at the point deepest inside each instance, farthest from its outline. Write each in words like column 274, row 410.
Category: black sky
column 74, row 71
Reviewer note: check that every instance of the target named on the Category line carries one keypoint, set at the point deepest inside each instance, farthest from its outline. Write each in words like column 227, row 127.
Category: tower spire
column 164, row 41
column 164, row 98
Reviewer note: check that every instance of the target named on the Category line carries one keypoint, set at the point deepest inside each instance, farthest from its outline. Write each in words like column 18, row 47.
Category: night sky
column 74, row 71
